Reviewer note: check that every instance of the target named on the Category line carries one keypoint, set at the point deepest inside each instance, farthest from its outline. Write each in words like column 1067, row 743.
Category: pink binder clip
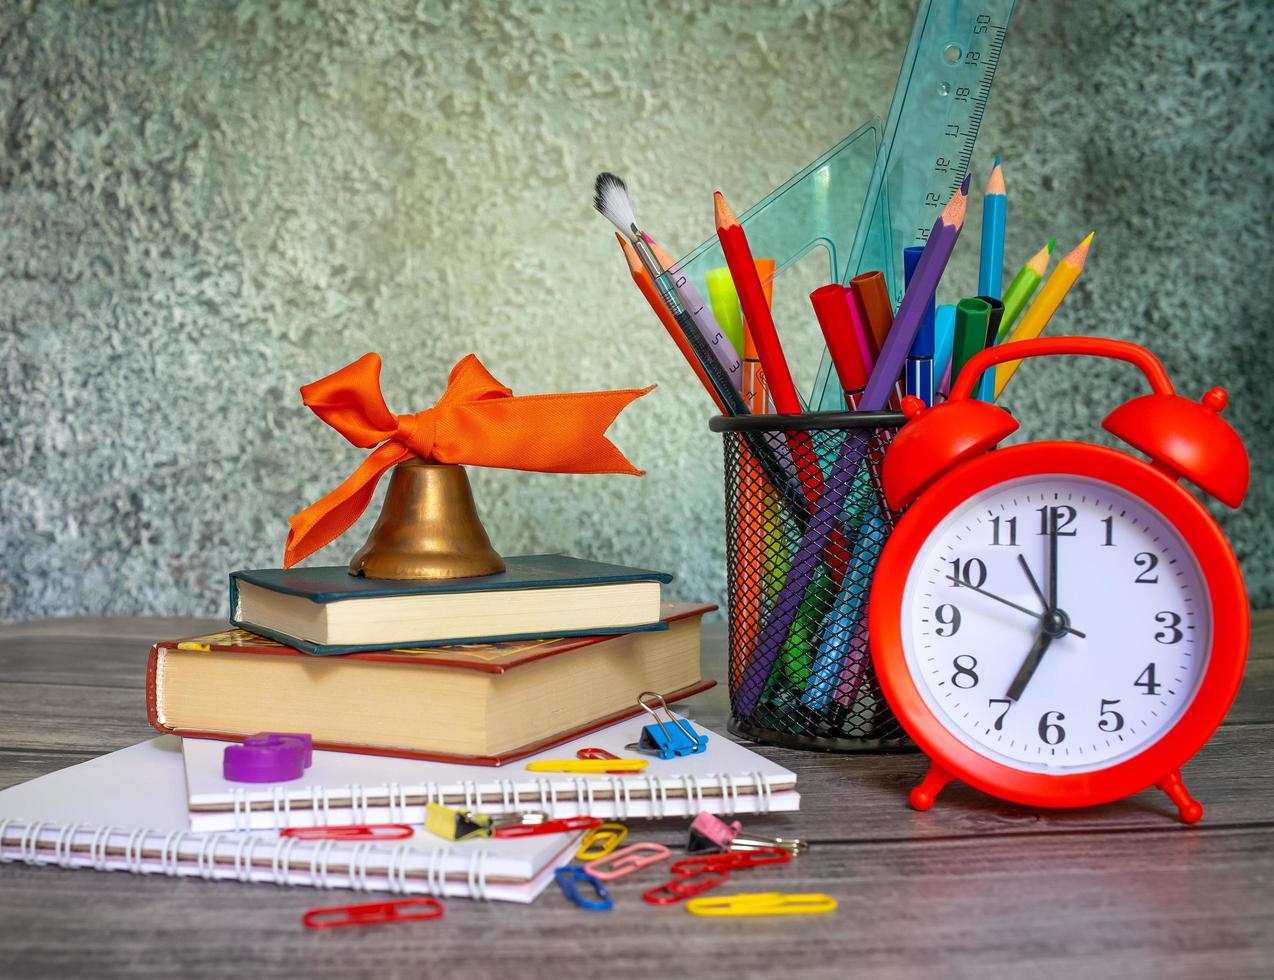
column 626, row 860
column 709, row 832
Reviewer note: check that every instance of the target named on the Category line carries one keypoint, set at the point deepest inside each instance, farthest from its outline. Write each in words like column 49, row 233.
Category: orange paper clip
column 549, row 827
column 354, row 831
column 373, row 913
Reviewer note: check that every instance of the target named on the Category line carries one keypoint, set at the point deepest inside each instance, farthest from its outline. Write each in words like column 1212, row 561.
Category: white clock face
column 1007, row 672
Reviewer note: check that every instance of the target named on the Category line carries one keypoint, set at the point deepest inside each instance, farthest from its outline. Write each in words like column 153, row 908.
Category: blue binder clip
column 569, row 878
column 670, row 741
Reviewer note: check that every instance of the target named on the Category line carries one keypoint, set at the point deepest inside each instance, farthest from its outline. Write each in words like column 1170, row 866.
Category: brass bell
column 428, row 528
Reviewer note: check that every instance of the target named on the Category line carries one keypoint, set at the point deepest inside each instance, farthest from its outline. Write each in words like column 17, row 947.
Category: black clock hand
column 1051, row 605
column 1027, row 670
column 1009, row 602
column 1031, row 578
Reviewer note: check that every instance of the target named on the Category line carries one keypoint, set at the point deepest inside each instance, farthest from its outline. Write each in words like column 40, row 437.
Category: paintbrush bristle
column 610, row 198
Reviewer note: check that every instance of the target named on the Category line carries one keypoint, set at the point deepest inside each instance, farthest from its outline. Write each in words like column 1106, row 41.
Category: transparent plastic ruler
column 941, row 96
column 943, row 88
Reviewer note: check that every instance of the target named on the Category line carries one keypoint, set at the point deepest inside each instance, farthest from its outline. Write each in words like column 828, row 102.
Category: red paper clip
column 357, row 831
column 595, row 754
column 730, row 860
column 373, row 913
column 684, row 886
column 548, row 827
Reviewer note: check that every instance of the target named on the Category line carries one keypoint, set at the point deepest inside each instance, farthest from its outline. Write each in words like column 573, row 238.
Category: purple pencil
column 889, row 365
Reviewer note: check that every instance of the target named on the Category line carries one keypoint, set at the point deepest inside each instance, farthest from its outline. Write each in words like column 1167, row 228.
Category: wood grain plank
column 1163, row 904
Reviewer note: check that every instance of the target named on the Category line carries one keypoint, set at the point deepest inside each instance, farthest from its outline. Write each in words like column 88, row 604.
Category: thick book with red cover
column 483, row 704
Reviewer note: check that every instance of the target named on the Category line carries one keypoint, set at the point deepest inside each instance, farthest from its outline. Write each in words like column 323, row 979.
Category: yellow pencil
column 1046, row 303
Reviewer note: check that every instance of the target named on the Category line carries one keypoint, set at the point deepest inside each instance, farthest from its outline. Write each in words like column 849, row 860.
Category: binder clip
column 569, row 879
column 709, row 832
column 672, row 741
column 452, row 824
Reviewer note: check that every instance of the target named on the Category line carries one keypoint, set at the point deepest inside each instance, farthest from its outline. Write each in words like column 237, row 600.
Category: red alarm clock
column 1058, row 623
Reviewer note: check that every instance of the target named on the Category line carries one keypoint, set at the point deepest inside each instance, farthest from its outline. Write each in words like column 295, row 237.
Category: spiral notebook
column 345, row 788
column 126, row 811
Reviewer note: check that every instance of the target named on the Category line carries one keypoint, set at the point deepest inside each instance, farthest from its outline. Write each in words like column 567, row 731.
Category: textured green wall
column 205, row 205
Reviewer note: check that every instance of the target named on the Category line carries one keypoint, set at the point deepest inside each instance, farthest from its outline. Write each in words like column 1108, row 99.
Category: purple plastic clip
column 709, row 832
column 268, row 757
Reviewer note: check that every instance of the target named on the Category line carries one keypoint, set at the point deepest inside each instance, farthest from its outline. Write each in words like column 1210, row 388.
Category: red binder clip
column 548, row 827
column 371, row 831
column 373, row 913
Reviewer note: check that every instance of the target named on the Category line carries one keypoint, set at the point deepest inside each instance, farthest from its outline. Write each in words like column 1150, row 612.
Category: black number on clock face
column 1147, row 562
column 999, row 719
column 1110, row 719
column 964, row 677
column 1051, row 733
column 1146, row 680
column 1110, row 532
column 1170, row 633
column 950, row 619
column 973, row 572
column 1010, row 536
column 1063, row 515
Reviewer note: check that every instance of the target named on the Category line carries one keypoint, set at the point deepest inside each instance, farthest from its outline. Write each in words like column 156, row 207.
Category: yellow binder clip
column 762, row 903
column 600, row 841
column 587, row 765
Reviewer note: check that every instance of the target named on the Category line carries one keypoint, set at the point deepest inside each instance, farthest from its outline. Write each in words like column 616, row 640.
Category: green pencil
column 1022, row 288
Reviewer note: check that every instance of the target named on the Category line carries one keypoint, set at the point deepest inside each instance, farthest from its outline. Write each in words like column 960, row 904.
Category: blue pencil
column 994, row 212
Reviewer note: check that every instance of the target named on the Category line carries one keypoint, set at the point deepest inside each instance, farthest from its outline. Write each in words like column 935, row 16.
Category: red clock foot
column 923, row 796
column 1188, row 808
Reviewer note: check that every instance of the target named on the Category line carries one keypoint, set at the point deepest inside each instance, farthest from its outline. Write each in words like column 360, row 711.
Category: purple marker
column 854, row 448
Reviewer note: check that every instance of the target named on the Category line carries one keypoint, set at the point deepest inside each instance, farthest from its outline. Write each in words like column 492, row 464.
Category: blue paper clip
column 569, row 878
column 664, row 741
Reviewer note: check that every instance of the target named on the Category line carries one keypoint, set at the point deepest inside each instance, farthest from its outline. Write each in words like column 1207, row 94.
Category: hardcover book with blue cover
column 326, row 610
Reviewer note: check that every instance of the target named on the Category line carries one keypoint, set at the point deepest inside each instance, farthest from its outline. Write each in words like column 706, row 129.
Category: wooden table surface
column 974, row 888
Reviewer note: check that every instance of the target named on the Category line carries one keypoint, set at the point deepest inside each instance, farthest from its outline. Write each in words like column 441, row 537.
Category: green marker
column 971, row 319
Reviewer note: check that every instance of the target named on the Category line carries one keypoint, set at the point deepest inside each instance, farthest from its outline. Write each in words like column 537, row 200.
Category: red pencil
column 738, row 256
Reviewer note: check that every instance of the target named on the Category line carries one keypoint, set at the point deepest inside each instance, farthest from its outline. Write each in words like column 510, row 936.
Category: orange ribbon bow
column 476, row 421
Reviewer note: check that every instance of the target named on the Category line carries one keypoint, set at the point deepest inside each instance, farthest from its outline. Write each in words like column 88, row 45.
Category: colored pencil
column 823, row 523
column 994, row 212
column 1023, row 287
column 919, row 380
column 642, row 278
column 1046, row 303
column 943, row 333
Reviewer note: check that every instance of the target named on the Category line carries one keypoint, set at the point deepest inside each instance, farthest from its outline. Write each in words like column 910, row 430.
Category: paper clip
column 548, row 827
column 452, row 824
column 684, row 886
column 667, row 743
column 617, row 766
column 746, row 842
column 595, row 754
column 626, row 860
column 358, row 831
column 568, row 879
column 709, row 832
column 372, row 913
column 730, row 861
column 762, row 903
column 600, row 841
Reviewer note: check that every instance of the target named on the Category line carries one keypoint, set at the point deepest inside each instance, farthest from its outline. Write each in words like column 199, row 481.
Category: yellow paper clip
column 762, row 903
column 600, row 841
column 587, row 765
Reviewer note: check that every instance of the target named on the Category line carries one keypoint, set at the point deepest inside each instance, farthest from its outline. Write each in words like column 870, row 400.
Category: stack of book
column 477, row 670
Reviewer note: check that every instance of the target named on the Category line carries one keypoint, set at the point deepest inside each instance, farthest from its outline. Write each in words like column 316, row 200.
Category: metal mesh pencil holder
column 805, row 523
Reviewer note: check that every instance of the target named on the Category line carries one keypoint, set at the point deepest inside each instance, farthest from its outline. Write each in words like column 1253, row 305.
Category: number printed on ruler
column 973, row 66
